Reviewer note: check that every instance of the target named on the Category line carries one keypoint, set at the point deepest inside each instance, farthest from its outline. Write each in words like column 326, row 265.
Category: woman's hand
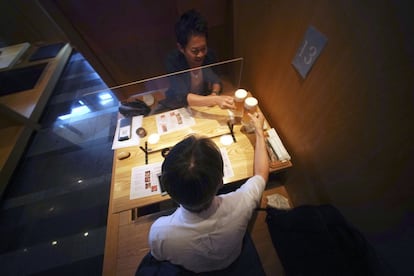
column 258, row 121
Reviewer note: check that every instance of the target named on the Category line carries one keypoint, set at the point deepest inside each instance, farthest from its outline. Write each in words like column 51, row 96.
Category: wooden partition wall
column 349, row 124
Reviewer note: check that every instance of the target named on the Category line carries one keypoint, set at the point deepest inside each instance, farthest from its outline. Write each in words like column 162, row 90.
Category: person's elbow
column 263, row 173
column 262, row 169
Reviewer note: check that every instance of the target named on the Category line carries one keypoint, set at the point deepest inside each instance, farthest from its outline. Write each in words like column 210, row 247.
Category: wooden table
column 210, row 122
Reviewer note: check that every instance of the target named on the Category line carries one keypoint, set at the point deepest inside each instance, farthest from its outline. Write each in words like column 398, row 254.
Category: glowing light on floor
column 76, row 111
column 105, row 98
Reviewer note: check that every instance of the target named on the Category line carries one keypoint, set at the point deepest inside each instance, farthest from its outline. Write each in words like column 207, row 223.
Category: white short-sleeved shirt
column 209, row 240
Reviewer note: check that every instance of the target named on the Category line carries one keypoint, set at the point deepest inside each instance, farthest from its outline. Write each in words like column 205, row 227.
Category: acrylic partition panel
column 166, row 92
column 145, row 97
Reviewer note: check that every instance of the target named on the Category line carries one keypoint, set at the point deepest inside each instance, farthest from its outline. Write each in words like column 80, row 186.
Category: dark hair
column 190, row 23
column 192, row 172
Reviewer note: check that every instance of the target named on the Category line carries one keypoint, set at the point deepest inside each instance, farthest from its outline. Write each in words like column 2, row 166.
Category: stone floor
column 54, row 211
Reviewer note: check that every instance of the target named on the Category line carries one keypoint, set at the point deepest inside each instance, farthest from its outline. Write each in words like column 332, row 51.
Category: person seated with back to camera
column 198, row 87
column 206, row 231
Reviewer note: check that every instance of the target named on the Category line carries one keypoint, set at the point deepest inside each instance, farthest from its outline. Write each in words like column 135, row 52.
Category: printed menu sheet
column 174, row 120
column 145, row 179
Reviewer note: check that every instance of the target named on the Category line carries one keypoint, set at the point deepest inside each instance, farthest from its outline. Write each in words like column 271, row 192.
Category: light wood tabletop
column 210, row 122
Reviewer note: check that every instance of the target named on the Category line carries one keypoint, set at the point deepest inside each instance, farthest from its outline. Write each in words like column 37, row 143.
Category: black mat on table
column 20, row 79
column 48, row 51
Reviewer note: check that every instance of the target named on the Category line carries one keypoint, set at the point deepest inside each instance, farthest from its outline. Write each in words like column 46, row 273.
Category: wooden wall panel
column 349, row 124
column 129, row 40
column 25, row 21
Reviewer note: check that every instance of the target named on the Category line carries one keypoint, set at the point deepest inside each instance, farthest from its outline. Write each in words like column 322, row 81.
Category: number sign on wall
column 310, row 49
